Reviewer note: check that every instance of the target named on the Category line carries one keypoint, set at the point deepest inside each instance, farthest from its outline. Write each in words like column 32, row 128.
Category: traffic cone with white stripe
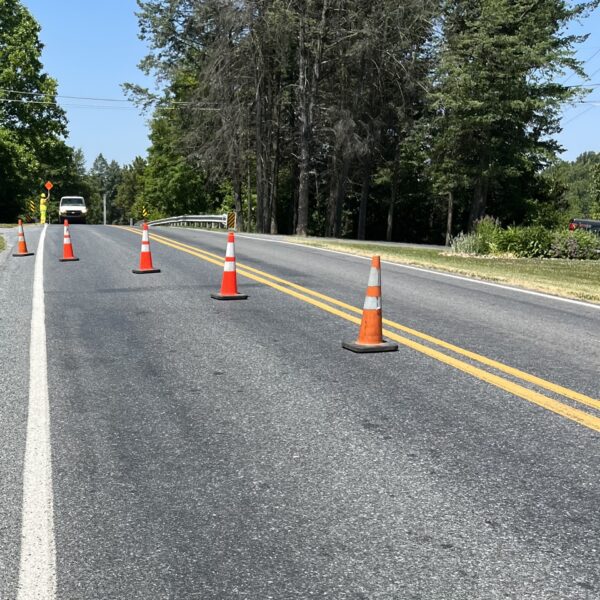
column 145, row 255
column 229, row 289
column 68, row 255
column 370, row 335
column 21, row 244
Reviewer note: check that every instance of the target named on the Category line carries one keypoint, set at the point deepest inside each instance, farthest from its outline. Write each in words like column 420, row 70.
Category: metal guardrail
column 212, row 220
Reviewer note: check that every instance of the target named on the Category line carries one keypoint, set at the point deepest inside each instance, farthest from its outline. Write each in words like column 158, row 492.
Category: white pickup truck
column 72, row 208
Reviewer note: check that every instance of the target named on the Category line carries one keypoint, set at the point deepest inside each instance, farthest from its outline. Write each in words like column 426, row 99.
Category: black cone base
column 142, row 271
column 24, row 254
column 229, row 296
column 364, row 348
column 67, row 259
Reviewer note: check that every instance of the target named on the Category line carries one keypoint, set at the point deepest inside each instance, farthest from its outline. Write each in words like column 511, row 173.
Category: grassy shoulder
column 579, row 279
column 2, row 240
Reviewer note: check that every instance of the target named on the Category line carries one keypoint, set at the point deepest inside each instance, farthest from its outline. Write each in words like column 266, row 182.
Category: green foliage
column 495, row 100
column 484, row 239
column 580, row 181
column 172, row 186
column 323, row 112
column 578, row 244
column 533, row 241
column 31, row 145
column 595, row 192
column 130, row 192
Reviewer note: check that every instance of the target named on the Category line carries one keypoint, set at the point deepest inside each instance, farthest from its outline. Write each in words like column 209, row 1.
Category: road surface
column 206, row 449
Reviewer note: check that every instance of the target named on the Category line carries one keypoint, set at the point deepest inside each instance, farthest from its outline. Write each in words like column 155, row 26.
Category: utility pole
column 104, row 206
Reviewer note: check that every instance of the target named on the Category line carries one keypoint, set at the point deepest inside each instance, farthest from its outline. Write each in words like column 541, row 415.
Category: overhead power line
column 11, row 91
column 100, row 106
column 583, row 112
column 123, row 100
column 584, row 63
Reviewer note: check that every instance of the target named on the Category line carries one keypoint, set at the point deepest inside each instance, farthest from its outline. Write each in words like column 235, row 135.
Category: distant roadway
column 181, row 447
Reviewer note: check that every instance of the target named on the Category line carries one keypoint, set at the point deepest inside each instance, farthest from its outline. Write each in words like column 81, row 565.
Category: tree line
column 396, row 119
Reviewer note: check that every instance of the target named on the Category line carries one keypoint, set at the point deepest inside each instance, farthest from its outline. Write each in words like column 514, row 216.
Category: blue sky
column 91, row 47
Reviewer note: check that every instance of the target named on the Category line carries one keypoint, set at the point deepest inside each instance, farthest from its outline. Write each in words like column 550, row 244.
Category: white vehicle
column 72, row 208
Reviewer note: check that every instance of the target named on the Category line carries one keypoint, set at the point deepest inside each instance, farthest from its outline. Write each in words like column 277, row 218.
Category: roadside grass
column 2, row 240
column 579, row 279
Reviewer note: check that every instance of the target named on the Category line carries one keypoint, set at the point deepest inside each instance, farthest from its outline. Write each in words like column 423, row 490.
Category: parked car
column 587, row 224
column 72, row 208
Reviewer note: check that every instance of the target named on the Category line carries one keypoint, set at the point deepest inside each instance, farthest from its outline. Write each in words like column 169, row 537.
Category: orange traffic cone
column 145, row 255
column 370, row 337
column 21, row 244
column 229, row 289
column 68, row 255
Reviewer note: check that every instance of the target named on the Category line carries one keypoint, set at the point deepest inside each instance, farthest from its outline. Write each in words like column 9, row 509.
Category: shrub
column 483, row 239
column 488, row 232
column 466, row 244
column 577, row 244
column 533, row 241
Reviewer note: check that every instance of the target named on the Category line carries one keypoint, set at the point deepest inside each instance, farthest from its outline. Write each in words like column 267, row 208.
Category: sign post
column 44, row 202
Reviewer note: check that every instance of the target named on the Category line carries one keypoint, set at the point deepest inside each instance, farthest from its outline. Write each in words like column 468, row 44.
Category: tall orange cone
column 68, row 255
column 229, row 289
column 370, row 336
column 145, row 254
column 21, row 244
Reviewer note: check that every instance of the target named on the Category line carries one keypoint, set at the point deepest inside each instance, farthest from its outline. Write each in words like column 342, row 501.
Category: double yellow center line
column 333, row 306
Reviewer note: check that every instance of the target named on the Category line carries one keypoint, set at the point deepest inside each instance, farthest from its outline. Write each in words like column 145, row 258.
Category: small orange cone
column 229, row 289
column 145, row 254
column 21, row 244
column 370, row 336
column 68, row 255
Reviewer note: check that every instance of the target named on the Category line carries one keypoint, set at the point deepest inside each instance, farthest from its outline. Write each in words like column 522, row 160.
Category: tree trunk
column 237, row 198
column 260, row 167
column 392, row 206
column 274, row 185
column 295, row 188
column 449, row 220
column 308, row 81
column 249, row 194
column 341, row 196
column 304, row 116
column 337, row 194
column 364, row 200
column 478, row 205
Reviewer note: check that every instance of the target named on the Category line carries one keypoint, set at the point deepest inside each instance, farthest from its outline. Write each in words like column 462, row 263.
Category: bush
column 533, row 241
column 466, row 244
column 578, row 244
column 483, row 240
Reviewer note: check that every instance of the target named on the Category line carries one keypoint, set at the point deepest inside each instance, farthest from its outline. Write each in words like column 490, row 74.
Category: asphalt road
column 205, row 449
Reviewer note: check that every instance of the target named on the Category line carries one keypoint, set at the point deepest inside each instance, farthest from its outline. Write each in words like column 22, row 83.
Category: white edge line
column 424, row 270
column 37, row 570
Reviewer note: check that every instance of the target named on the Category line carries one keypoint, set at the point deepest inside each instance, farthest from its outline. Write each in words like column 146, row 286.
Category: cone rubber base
column 364, row 348
column 24, row 254
column 67, row 259
column 229, row 296
column 142, row 271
